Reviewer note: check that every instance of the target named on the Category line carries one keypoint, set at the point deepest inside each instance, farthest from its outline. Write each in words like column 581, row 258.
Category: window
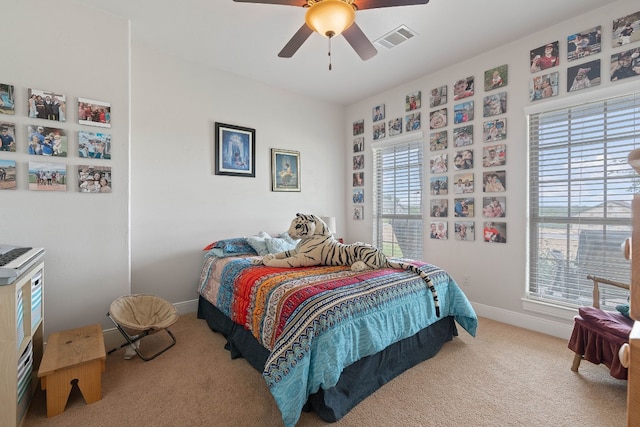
column 397, row 205
column 581, row 189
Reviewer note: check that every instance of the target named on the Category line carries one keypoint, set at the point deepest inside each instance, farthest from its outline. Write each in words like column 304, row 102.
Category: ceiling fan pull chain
column 330, row 53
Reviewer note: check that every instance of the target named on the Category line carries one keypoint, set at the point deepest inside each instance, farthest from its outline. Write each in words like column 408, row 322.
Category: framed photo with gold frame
column 285, row 170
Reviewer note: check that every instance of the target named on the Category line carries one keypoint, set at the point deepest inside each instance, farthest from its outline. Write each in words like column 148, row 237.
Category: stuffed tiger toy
column 317, row 246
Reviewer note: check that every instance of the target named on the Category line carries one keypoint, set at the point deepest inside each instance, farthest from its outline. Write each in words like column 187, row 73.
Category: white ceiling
column 245, row 38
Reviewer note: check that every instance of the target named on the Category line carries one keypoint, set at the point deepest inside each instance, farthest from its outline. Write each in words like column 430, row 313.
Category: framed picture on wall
column 413, row 101
column 7, row 136
column 47, row 176
column 438, row 96
column 94, row 145
column 46, row 141
column 358, row 127
column 47, row 105
column 234, row 151
column 6, row 96
column 412, row 122
column 583, row 76
column 623, row 31
column 496, row 77
column 7, row 174
column 378, row 113
column 94, row 113
column 285, row 170
column 465, row 230
column 584, row 43
column 94, row 179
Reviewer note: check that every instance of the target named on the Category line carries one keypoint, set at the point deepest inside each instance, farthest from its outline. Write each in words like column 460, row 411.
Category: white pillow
column 258, row 242
column 278, row 244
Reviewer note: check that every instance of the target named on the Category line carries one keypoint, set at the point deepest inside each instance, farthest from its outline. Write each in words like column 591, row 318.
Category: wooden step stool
column 77, row 354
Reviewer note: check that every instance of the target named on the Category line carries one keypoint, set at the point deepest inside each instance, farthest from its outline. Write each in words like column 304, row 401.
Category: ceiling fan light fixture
column 330, row 17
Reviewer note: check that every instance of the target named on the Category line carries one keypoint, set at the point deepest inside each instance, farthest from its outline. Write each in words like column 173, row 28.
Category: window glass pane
column 580, row 199
column 398, row 199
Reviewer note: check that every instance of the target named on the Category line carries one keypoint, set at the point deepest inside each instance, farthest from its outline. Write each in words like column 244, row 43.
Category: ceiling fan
column 331, row 18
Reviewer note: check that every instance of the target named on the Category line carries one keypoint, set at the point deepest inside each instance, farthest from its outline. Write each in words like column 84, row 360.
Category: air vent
column 396, row 37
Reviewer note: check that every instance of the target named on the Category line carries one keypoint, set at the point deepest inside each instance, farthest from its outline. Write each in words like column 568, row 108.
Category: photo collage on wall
column 358, row 169
column 454, row 165
column 46, row 137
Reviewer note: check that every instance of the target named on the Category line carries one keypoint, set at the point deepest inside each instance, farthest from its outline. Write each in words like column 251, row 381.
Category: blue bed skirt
column 358, row 380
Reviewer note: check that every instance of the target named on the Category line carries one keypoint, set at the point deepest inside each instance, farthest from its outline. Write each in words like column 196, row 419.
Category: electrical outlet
column 466, row 280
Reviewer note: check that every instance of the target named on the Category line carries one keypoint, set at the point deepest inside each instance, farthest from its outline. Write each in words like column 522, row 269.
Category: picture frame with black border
column 234, row 150
column 285, row 170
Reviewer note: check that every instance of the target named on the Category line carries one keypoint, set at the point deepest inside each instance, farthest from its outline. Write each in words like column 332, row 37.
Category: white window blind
column 397, row 205
column 581, row 189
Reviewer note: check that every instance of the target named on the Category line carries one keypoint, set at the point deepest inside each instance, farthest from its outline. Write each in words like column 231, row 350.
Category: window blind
column 397, row 204
column 581, row 189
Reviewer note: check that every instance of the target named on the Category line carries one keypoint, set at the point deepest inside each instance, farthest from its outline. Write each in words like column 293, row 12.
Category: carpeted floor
column 507, row 376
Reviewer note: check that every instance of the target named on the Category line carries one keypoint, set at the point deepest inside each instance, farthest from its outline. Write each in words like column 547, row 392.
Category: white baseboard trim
column 558, row 329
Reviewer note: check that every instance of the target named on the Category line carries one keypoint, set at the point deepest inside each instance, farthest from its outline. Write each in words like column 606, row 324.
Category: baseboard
column 550, row 327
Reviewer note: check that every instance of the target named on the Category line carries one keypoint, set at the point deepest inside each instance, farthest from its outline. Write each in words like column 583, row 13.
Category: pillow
column 235, row 246
column 278, row 244
column 623, row 309
column 258, row 243
column 289, row 239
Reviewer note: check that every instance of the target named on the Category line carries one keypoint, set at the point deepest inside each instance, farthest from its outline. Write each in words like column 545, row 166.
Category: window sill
column 548, row 308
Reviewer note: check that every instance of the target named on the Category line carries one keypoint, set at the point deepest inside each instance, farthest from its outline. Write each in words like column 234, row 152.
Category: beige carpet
column 507, row 376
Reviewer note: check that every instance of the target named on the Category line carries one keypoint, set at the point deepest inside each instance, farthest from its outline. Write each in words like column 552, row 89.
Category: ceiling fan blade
column 299, row 3
column 374, row 4
column 296, row 41
column 359, row 42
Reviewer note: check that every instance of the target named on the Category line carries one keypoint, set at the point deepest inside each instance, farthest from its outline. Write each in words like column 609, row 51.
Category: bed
column 324, row 338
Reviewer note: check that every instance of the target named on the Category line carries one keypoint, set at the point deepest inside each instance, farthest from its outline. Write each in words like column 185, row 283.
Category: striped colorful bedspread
column 317, row 320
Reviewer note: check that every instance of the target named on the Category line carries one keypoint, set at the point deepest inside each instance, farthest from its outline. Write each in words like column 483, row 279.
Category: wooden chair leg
column 577, row 358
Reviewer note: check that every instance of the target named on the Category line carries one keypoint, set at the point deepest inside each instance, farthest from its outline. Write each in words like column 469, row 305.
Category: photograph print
column 494, row 155
column 94, row 113
column 494, row 130
column 625, row 64
column 413, row 101
column 494, row 207
column 358, row 144
column 495, row 232
column 285, row 170
column 379, row 131
column 626, row 30
column 358, row 127
column 395, row 126
column 544, row 57
column 463, row 136
column 438, row 230
column 438, row 141
column 7, row 137
column 235, row 150
column 412, row 122
column 7, row 105
column 45, row 176
column 494, row 181
column 358, row 179
column 496, row 78
column 463, row 160
column 584, row 43
column 463, row 88
column 94, row 145
column 378, row 113
column 465, row 230
column 463, row 112
column 47, row 141
column 438, row 118
column 438, row 96
column 439, row 163
column 439, row 185
column 94, row 179
column 583, row 76
column 358, row 213
column 543, row 86
column 439, row 207
column 46, row 105
column 7, row 174
column 493, row 105
column 463, row 208
column 463, row 183
column 358, row 195
column 358, row 162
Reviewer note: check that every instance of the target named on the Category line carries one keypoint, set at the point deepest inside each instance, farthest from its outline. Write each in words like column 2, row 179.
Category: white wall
column 497, row 272
column 57, row 46
column 178, row 204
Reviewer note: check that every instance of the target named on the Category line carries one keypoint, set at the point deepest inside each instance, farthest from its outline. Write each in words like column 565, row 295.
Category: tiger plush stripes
column 317, row 246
